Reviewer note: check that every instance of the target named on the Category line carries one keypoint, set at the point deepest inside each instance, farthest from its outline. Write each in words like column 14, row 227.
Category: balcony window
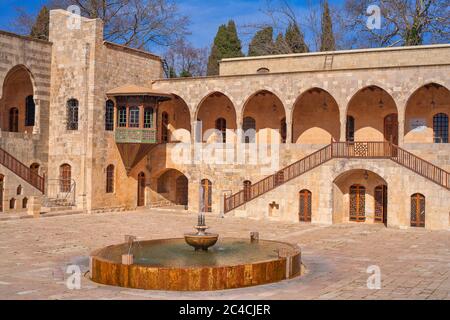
column 134, row 117
column 122, row 117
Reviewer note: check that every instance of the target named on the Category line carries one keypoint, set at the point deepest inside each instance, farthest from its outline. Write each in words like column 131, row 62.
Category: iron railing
column 21, row 170
column 348, row 150
column 60, row 193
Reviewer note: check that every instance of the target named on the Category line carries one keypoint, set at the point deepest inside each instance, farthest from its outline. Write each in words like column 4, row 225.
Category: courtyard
column 414, row 263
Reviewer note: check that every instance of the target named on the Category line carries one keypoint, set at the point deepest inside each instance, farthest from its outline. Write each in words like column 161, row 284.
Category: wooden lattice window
column 418, row 210
column 381, row 204
column 72, row 114
column 305, row 209
column 65, row 177
column 109, row 116
column 110, row 179
column 440, row 128
column 14, row 120
column 30, row 111
column 357, row 203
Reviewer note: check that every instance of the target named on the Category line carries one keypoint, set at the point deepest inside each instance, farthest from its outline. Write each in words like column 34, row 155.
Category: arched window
column 65, row 177
column 418, row 210
column 12, row 204
column 122, row 117
column 14, row 120
column 263, row 70
column 165, row 127
column 305, row 211
column 247, row 190
column 30, row 111
column 134, row 117
column 206, row 204
column 109, row 116
column 440, row 128
column 221, row 125
column 350, row 129
column 249, row 128
column 24, row 203
column 19, row 190
column 110, row 179
column 283, row 130
column 72, row 114
column 148, row 118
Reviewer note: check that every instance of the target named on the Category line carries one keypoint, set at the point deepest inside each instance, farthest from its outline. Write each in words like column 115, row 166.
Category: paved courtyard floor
column 415, row 264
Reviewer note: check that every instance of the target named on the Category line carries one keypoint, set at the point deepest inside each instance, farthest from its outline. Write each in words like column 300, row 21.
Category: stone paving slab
column 415, row 264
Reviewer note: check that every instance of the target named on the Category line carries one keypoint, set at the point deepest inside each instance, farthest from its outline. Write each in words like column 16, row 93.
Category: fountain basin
column 171, row 265
column 201, row 241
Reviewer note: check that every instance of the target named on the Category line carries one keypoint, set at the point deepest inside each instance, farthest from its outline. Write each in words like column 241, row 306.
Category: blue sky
column 205, row 15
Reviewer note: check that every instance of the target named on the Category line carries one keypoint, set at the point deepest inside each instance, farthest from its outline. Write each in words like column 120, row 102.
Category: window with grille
column 148, row 118
column 72, row 114
column 109, row 116
column 134, row 117
column 440, row 128
column 122, row 117
column 249, row 128
column 350, row 129
column 221, row 125
column 14, row 120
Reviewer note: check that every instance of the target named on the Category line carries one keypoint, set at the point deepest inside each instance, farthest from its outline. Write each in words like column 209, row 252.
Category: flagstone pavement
column 414, row 263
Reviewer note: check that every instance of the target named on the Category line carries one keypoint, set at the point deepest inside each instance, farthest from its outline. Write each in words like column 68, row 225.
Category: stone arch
column 268, row 111
column 173, row 189
column 17, row 89
column 369, row 107
column 179, row 121
column 213, row 106
column 320, row 106
column 422, row 105
column 354, row 195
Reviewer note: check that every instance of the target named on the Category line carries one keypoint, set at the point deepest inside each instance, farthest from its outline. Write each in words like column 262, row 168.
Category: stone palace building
column 358, row 136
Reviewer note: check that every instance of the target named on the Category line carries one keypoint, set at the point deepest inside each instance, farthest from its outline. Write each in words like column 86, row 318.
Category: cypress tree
column 40, row 28
column 262, row 43
column 295, row 39
column 226, row 45
column 327, row 40
column 280, row 46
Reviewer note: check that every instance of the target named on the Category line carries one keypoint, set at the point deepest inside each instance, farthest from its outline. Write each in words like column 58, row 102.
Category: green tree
column 39, row 30
column 280, row 46
column 226, row 45
column 295, row 39
column 262, row 43
column 328, row 42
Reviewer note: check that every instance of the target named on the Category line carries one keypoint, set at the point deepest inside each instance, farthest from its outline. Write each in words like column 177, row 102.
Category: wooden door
column 141, row 190
column 206, row 196
column 391, row 128
column 305, row 206
column 418, row 211
column 1, row 191
column 381, row 204
column 165, row 127
column 65, row 176
column 357, row 203
column 182, row 191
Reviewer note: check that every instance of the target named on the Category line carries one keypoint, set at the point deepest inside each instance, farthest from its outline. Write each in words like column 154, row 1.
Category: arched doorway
column 268, row 115
column 305, row 208
column 2, row 187
column 182, row 190
column 372, row 108
column 323, row 121
column 381, row 204
column 418, row 210
column 206, row 196
column 141, row 190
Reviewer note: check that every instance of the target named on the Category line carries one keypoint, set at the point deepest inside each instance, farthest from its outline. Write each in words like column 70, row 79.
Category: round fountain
column 199, row 262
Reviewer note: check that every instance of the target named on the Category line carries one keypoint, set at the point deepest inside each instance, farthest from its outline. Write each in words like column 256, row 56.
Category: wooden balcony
column 136, row 136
